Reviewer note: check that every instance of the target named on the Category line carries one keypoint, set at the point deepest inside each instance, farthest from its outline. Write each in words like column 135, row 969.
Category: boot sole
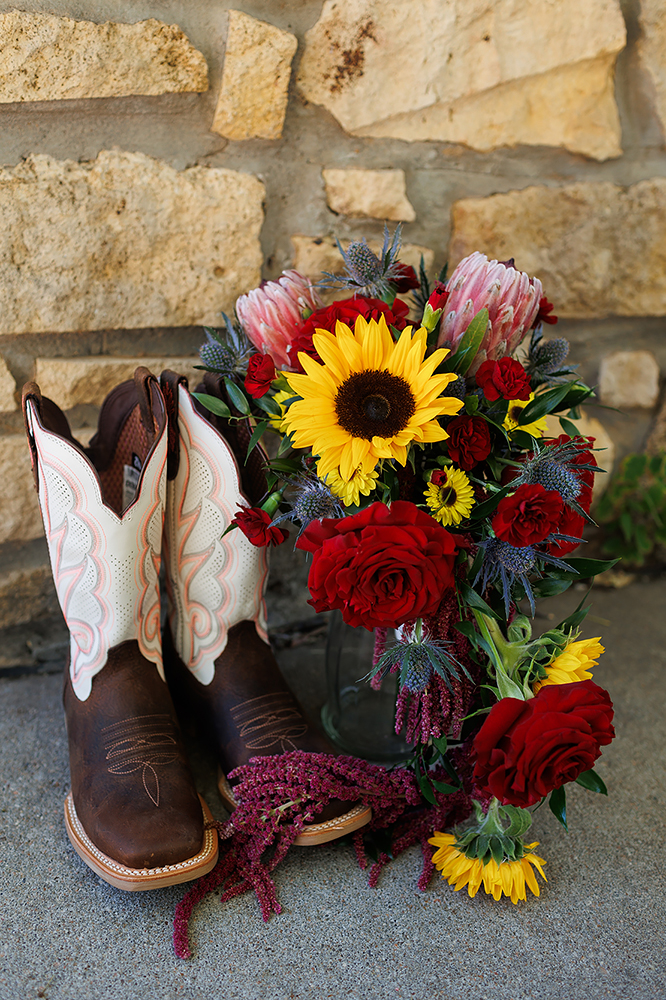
column 140, row 879
column 313, row 833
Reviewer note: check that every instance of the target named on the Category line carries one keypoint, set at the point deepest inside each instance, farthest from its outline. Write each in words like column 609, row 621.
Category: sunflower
column 450, row 496
column 350, row 490
column 509, row 877
column 573, row 664
column 536, row 428
column 369, row 399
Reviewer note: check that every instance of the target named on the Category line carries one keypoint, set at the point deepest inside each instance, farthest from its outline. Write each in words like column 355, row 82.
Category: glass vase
column 359, row 720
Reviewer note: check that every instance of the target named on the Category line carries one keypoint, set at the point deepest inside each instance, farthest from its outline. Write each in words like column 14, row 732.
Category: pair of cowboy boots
column 159, row 470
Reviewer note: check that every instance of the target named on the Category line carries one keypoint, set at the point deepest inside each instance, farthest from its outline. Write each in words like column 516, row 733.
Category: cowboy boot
column 133, row 813
column 217, row 657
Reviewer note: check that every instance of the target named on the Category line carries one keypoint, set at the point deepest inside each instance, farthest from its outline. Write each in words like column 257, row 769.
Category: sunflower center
column 447, row 496
column 374, row 404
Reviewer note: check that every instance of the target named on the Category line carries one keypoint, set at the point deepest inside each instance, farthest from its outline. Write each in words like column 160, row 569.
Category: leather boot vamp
column 131, row 782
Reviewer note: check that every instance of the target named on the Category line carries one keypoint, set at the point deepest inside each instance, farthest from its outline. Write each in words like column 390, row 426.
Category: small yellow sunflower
column 509, row 877
column 573, row 664
column 369, row 399
column 450, row 496
column 277, row 423
column 350, row 490
column 536, row 429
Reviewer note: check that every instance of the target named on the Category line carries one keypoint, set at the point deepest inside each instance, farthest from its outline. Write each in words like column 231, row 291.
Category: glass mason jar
column 359, row 720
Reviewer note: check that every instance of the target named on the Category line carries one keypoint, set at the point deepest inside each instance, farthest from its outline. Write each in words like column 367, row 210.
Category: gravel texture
column 596, row 932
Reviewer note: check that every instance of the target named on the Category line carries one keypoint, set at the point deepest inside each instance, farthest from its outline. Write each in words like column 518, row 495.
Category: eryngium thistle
column 546, row 360
column 555, row 468
column 457, row 389
column 508, row 563
column 226, row 351
column 365, row 272
column 418, row 657
column 311, row 501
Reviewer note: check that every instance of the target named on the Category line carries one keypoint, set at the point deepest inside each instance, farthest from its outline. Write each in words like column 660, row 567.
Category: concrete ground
column 596, row 932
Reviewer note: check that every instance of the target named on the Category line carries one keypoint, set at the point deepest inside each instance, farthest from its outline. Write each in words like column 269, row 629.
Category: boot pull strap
column 169, row 382
column 142, row 383
column 31, row 393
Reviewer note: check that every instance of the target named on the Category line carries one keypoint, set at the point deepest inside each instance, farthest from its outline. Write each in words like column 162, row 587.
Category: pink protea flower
column 511, row 297
column 272, row 313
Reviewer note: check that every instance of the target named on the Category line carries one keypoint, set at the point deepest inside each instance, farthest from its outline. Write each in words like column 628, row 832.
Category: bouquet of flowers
column 414, row 458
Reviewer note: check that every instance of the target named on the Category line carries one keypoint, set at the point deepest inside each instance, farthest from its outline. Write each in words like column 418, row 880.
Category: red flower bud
column 260, row 374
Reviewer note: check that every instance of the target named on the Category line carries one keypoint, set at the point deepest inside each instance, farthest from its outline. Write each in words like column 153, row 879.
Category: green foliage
column 632, row 511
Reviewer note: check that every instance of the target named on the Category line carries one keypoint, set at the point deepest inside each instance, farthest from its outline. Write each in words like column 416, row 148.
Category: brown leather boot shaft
column 127, row 760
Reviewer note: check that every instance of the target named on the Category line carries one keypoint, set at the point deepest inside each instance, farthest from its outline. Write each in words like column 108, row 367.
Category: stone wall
column 159, row 157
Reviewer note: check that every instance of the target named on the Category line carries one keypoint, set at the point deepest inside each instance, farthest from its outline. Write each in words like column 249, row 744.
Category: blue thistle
column 418, row 658
column 508, row 563
column 546, row 360
column 311, row 500
column 554, row 467
column 365, row 272
column 226, row 352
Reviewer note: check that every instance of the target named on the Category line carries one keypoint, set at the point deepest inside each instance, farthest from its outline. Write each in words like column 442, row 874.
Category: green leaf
column 627, row 525
column 558, row 805
column 256, row 436
column 237, row 397
column 285, row 445
column 289, row 465
column 268, row 405
column 482, row 510
column 441, row 743
column 550, row 588
column 469, row 345
column 590, row 567
column 592, row 781
column 442, row 787
column 471, row 404
column 474, row 600
column 468, row 630
column 568, row 427
column 497, row 850
column 544, row 403
column 213, row 404
column 424, row 784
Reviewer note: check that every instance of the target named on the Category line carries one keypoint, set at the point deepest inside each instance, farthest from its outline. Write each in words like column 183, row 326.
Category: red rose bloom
column 525, row 749
column 528, row 516
column 255, row 525
column 469, row 441
column 506, row 378
column 380, row 567
column 347, row 311
column 260, row 374
column 572, row 523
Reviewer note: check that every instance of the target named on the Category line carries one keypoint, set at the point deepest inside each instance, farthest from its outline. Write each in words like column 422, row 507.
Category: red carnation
column 544, row 313
column 347, row 311
column 506, row 378
column 525, row 749
column 260, row 374
column 528, row 516
column 381, row 567
column 255, row 525
column 404, row 278
column 469, row 441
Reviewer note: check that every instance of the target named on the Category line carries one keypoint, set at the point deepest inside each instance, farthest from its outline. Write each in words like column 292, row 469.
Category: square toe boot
column 133, row 813
column 218, row 661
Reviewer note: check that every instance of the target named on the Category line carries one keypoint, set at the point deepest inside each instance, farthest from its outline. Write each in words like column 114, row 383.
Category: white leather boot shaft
column 213, row 582
column 105, row 567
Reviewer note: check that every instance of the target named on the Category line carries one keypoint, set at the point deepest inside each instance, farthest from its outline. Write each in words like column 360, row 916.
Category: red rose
column 469, row 441
column 380, row 567
column 438, row 296
column 528, row 516
column 572, row 523
column 347, row 311
column 506, row 378
column 525, row 749
column 260, row 374
column 255, row 525
column 404, row 279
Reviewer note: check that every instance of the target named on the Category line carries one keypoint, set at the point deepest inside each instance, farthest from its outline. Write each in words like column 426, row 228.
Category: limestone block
column 26, row 593
column 314, row 254
column 486, row 73
column 70, row 381
column 379, row 194
column 652, row 50
column 49, row 58
column 124, row 241
column 255, row 79
column 7, row 389
column 599, row 249
column 20, row 516
column 629, row 379
column 604, row 446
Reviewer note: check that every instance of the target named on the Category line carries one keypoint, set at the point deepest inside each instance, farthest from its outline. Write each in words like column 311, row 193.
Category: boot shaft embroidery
column 271, row 721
